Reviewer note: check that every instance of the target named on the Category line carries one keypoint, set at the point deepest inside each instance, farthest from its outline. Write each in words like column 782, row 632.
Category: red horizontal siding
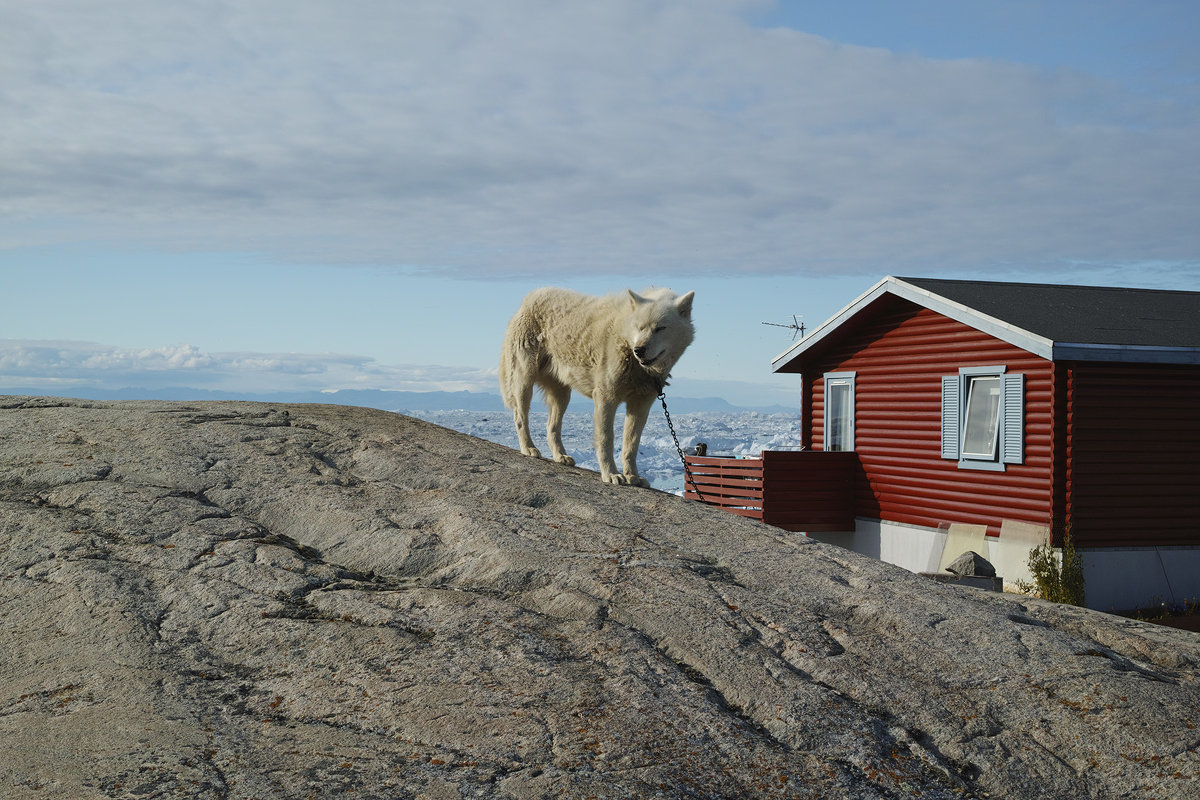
column 1134, row 443
column 798, row 490
column 899, row 357
column 809, row 490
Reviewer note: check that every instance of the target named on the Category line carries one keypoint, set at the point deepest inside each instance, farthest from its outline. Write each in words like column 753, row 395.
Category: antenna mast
column 796, row 327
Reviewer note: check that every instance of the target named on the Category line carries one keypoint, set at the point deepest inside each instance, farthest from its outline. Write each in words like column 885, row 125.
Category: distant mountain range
column 374, row 398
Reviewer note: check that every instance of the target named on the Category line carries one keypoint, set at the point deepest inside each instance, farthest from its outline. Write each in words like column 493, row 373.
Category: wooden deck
column 798, row 490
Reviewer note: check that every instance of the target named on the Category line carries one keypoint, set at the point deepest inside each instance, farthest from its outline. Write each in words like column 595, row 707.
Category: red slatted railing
column 734, row 484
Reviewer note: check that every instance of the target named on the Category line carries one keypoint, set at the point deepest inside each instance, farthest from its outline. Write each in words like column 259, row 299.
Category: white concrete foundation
column 910, row 546
column 1115, row 579
column 1121, row 579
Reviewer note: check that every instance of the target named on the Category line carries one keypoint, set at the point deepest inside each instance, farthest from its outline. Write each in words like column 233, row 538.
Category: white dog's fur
column 614, row 349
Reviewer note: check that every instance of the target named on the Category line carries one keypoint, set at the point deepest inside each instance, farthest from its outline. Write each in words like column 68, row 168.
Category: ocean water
column 739, row 434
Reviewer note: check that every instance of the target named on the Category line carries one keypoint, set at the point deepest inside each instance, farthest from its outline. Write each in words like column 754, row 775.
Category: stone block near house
column 960, row 538
column 969, row 569
column 971, row 564
column 974, row 581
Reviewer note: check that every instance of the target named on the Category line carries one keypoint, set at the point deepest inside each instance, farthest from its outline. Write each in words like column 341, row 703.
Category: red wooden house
column 988, row 416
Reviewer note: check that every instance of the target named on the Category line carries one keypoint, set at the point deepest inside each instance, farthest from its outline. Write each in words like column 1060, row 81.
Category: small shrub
column 1056, row 577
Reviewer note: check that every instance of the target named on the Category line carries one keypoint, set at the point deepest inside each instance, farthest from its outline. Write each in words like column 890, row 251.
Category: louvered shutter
column 1012, row 440
column 950, row 426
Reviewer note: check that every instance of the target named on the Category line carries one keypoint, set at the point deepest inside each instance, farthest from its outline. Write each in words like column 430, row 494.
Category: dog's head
column 659, row 327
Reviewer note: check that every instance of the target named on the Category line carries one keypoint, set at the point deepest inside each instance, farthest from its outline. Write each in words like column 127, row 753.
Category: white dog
column 614, row 349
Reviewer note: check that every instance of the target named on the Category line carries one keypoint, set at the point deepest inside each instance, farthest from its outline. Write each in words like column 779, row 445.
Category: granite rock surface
column 235, row 600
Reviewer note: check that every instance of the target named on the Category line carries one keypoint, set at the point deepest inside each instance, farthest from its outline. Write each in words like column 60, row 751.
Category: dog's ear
column 635, row 299
column 684, row 304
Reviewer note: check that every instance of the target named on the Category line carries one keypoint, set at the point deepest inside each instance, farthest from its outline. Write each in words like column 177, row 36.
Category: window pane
column 840, row 415
column 982, row 418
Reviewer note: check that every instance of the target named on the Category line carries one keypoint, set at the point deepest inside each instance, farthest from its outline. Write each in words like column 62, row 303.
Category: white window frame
column 839, row 379
column 1008, row 436
column 972, row 394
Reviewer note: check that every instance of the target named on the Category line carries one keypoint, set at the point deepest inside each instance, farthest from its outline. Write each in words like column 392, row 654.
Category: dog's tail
column 518, row 359
column 503, row 373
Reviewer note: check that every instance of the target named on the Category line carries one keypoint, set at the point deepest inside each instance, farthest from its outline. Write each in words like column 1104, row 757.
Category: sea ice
column 742, row 434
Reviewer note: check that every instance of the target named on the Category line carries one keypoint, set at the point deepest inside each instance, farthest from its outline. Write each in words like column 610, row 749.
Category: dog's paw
column 637, row 480
column 565, row 459
column 532, row 452
column 613, row 477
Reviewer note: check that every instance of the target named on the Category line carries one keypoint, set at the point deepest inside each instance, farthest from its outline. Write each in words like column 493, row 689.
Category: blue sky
column 282, row 196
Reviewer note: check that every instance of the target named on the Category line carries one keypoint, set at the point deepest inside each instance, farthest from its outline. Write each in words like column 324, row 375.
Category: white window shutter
column 1012, row 441
column 950, row 427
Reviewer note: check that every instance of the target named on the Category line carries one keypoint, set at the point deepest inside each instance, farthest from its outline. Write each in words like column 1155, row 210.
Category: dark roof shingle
column 1055, row 321
column 1081, row 314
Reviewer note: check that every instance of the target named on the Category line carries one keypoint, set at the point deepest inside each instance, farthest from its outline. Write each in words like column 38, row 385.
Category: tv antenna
column 796, row 326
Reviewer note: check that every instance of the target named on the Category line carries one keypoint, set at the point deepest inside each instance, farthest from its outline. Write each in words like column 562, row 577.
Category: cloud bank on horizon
column 525, row 138
column 67, row 365
column 85, row 369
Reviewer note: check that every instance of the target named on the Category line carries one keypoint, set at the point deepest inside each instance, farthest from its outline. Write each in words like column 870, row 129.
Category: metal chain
column 687, row 472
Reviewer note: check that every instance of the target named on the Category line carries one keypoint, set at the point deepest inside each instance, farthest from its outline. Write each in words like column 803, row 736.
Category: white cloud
column 27, row 364
column 158, row 359
column 534, row 136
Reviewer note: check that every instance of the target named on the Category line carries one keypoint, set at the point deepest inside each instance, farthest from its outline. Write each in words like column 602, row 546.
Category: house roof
column 1055, row 321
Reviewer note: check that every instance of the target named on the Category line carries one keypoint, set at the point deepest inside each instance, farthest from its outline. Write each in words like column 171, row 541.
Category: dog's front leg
column 557, row 397
column 636, row 412
column 602, row 423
